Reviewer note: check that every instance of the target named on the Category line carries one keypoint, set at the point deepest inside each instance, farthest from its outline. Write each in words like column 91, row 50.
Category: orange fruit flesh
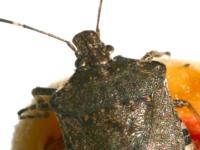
column 55, row 140
column 184, row 83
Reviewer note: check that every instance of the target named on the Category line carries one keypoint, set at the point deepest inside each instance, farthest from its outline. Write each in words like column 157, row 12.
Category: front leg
column 179, row 103
column 40, row 104
column 154, row 54
column 43, row 91
column 182, row 103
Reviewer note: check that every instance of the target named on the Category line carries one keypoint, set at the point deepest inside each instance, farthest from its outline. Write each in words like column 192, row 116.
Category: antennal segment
column 98, row 17
column 39, row 31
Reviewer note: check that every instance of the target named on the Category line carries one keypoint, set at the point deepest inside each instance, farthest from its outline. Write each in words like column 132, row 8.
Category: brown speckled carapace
column 120, row 104
column 111, row 104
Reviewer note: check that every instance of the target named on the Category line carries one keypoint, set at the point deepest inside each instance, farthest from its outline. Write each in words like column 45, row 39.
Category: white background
column 133, row 27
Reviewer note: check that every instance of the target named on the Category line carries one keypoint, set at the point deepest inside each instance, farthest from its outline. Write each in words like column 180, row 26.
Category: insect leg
column 32, row 107
column 153, row 54
column 187, row 137
column 182, row 103
column 40, row 105
column 43, row 91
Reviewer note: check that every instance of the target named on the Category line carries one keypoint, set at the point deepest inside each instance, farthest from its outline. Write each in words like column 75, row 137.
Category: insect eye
column 109, row 48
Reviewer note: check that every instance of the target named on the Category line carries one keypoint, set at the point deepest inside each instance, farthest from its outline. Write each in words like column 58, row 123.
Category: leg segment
column 32, row 107
column 153, row 54
column 43, row 91
column 41, row 104
column 187, row 138
column 182, row 103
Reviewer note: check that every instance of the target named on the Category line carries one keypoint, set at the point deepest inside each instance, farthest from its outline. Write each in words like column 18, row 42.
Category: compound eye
column 79, row 62
column 109, row 48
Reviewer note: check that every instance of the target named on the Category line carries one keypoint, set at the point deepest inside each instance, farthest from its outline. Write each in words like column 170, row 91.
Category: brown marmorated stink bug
column 112, row 104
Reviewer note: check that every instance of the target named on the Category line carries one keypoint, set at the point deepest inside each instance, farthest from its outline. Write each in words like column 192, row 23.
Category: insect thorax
column 90, row 49
column 119, row 110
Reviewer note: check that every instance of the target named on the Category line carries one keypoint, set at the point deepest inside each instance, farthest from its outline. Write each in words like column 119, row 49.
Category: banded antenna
column 98, row 17
column 39, row 31
column 50, row 34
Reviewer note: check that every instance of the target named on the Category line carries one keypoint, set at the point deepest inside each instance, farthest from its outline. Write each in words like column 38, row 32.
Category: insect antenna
column 98, row 17
column 39, row 31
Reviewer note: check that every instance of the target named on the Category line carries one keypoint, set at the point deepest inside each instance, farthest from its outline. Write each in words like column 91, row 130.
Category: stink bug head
column 90, row 49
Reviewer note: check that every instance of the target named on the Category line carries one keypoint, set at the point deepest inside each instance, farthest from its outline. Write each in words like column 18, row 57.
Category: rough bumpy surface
column 121, row 104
